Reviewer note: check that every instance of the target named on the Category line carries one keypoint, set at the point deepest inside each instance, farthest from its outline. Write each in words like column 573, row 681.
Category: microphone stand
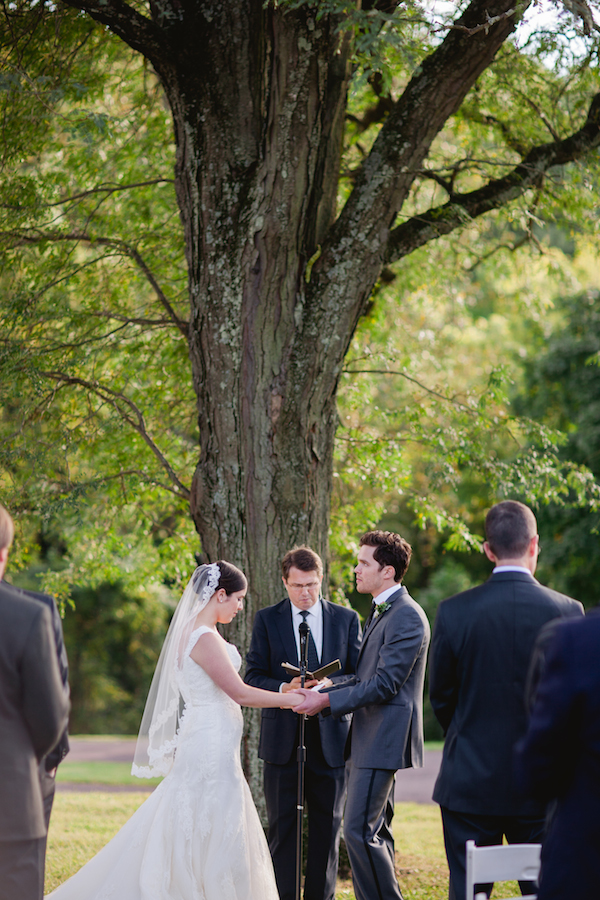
column 304, row 631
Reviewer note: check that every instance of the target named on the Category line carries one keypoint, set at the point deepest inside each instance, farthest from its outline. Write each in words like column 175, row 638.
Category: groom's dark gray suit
column 386, row 697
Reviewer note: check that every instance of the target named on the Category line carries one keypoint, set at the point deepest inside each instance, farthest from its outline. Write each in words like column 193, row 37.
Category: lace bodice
column 196, row 686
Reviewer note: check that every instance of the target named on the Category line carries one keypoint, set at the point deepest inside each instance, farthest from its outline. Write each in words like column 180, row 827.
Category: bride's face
column 231, row 606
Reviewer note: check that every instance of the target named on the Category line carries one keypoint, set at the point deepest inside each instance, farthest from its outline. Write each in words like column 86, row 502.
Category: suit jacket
column 559, row 759
column 481, row 649
column 33, row 711
column 273, row 643
column 386, row 695
column 58, row 753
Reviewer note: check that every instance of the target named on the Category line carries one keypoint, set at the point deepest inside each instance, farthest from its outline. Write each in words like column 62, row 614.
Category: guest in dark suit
column 559, row 760
column 50, row 763
column 481, row 649
column 334, row 634
column 386, row 697
column 33, row 715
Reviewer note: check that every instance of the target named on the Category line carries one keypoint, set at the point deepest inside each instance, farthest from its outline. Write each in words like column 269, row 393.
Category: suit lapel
column 376, row 619
column 286, row 632
column 327, row 651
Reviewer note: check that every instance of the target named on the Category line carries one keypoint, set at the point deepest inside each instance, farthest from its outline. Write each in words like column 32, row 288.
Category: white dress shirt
column 385, row 595
column 314, row 620
column 511, row 569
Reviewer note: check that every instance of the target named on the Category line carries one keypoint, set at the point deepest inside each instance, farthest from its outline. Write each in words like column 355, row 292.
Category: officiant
column 334, row 634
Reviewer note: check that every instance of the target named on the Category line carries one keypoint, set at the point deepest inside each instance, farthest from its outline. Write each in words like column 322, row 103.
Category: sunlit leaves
column 98, row 413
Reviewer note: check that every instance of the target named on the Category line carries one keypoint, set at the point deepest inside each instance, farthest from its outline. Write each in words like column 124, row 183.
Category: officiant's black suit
column 480, row 653
column 273, row 643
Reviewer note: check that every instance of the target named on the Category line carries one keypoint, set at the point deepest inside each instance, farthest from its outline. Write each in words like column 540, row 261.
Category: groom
column 386, row 697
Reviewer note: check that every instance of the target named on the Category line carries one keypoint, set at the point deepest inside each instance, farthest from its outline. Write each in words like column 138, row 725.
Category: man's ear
column 3, row 560
column 488, row 552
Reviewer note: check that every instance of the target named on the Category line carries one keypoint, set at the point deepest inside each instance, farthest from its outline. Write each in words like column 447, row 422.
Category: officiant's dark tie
column 313, row 658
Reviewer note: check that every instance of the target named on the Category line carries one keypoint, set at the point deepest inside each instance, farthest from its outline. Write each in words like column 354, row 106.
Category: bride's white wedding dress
column 198, row 836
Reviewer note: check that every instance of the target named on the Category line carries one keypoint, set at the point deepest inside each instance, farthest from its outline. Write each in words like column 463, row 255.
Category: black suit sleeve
column 443, row 674
column 259, row 665
column 56, row 756
column 546, row 754
column 44, row 703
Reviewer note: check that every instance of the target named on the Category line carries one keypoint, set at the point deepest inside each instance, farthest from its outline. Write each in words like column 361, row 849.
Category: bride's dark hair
column 232, row 579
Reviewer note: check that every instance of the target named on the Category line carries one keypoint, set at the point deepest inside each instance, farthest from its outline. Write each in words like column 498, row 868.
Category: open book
column 323, row 672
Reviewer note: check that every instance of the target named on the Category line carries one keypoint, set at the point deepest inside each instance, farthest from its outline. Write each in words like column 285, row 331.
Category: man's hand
column 313, row 702
column 294, row 684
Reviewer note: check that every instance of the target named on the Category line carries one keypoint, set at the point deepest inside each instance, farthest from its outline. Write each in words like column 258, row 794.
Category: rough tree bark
column 277, row 282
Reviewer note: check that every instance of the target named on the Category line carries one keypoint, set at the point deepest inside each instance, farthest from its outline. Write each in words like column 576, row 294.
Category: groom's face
column 304, row 588
column 369, row 573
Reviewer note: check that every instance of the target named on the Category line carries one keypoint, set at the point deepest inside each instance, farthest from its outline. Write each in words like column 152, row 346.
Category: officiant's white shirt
column 314, row 620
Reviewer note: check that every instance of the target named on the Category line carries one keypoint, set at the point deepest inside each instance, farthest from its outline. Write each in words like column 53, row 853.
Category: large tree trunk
column 259, row 135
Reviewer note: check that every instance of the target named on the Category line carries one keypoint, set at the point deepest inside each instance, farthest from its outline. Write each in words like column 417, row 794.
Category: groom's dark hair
column 390, row 550
column 231, row 579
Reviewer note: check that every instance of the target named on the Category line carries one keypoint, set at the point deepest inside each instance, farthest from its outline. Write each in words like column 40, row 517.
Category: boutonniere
column 380, row 608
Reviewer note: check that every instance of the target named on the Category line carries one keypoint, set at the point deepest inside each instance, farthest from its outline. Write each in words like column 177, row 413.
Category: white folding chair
column 501, row 862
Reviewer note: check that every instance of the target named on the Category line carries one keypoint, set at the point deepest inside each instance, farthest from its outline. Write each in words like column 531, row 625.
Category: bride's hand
column 292, row 699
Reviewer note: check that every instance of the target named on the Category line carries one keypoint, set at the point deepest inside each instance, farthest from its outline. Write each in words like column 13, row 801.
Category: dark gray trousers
column 367, row 832
column 22, row 869
column 22, row 863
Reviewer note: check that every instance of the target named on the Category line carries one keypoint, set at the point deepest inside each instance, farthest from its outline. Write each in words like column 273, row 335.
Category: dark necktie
column 313, row 658
column 369, row 617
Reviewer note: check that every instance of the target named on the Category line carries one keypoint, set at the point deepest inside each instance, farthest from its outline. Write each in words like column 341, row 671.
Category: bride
column 198, row 836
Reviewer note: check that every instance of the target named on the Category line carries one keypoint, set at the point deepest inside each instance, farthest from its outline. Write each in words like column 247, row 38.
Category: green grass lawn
column 101, row 773
column 82, row 823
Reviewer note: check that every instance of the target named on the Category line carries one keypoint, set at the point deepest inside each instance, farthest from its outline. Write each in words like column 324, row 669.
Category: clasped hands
column 309, row 699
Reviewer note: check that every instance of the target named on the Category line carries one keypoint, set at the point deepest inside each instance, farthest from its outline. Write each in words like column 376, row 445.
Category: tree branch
column 126, row 248
column 140, row 33
column 131, row 320
column 462, row 208
column 134, row 418
column 358, row 238
column 419, row 384
column 110, row 189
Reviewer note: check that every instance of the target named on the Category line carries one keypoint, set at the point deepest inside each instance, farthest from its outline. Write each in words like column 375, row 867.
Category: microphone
column 303, row 631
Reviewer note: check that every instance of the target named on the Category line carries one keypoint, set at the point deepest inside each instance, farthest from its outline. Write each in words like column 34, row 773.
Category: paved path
column 414, row 785
column 101, row 749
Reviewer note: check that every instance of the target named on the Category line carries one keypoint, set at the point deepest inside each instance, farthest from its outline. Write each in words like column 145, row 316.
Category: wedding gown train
column 198, row 836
